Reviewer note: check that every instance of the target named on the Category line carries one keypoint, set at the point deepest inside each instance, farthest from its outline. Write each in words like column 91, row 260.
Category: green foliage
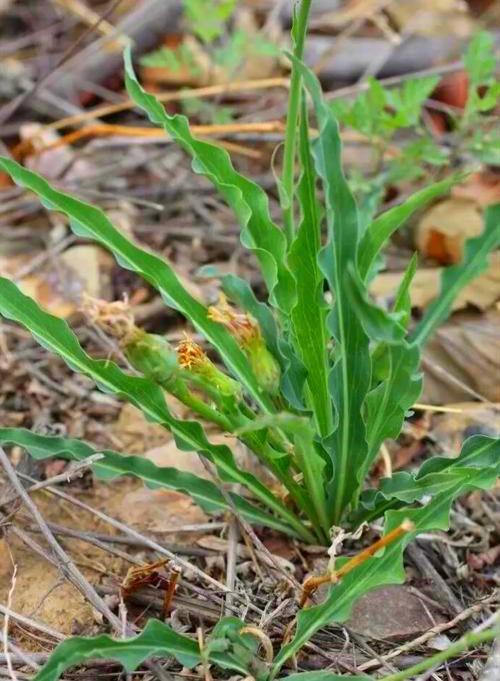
column 350, row 368
column 318, row 375
column 228, row 646
column 207, row 112
column 208, row 26
column 380, row 112
column 480, row 62
column 173, row 58
column 113, row 465
column 227, row 49
column 481, row 467
column 433, row 489
column 225, row 647
column 383, row 114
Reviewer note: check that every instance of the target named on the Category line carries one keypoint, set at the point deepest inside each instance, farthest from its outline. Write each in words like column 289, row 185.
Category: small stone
column 392, row 613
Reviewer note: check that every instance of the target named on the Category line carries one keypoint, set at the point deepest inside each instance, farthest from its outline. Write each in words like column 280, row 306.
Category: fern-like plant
column 315, row 377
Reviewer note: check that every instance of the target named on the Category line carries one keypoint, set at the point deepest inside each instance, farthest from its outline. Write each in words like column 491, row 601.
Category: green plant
column 319, row 376
column 381, row 114
column 227, row 50
column 230, row 646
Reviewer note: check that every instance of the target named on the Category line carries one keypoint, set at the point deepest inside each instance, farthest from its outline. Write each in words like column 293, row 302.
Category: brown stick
column 312, row 583
column 27, row 146
column 178, row 95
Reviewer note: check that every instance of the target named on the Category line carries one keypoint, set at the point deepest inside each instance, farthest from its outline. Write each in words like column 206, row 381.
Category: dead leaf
column 59, row 284
column 92, row 266
column 482, row 187
column 481, row 293
column 465, row 349
column 468, row 418
column 446, row 226
column 427, row 17
column 452, row 89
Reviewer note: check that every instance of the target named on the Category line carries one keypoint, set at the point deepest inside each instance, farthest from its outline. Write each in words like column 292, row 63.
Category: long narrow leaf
column 402, row 299
column 92, row 223
column 247, row 199
column 56, row 335
column 388, row 403
column 309, row 314
column 382, row 228
column 156, row 639
column 112, row 464
column 396, row 380
column 350, row 376
column 454, row 278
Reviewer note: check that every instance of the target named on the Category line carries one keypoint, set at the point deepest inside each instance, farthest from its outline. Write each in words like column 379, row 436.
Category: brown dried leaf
column 443, row 230
column 428, row 17
column 483, row 188
column 467, row 418
column 482, row 293
column 467, row 349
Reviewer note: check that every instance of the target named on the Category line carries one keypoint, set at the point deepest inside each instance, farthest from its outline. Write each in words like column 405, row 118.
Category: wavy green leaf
column 309, row 314
column 90, row 222
column 388, row 403
column 157, row 639
column 382, row 228
column 387, row 566
column 454, row 278
column 436, row 476
column 350, row 376
column 378, row 323
column 396, row 381
column 54, row 334
column 247, row 199
column 204, row 492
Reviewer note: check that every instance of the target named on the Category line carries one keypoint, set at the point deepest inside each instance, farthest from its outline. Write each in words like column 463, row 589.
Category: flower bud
column 264, row 366
column 148, row 353
column 192, row 358
column 152, row 355
column 247, row 332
